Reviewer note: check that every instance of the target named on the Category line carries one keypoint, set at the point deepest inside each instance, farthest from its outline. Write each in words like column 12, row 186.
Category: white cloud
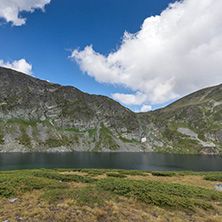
column 130, row 99
column 146, row 108
column 173, row 54
column 10, row 9
column 18, row 65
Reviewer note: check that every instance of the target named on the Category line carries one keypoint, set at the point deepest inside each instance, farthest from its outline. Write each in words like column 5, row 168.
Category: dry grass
column 30, row 207
column 192, row 180
column 74, row 173
column 77, row 185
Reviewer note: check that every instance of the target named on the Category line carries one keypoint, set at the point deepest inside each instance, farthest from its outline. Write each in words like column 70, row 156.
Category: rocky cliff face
column 36, row 115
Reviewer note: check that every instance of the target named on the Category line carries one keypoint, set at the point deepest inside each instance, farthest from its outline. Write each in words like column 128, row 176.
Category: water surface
column 139, row 161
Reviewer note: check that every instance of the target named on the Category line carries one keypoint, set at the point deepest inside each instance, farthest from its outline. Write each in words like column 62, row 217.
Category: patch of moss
column 127, row 140
column 74, row 130
column 106, row 139
column 2, row 141
column 92, row 132
column 23, row 122
column 53, row 142
column 24, row 138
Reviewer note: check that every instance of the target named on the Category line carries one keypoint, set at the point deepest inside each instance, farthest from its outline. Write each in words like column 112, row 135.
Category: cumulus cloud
column 18, row 65
column 146, row 108
column 130, row 99
column 10, row 9
column 173, row 54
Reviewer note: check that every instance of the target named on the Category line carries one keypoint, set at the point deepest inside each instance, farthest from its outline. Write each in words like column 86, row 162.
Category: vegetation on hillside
column 109, row 195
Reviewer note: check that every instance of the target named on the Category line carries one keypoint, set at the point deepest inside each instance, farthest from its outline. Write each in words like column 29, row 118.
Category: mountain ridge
column 36, row 115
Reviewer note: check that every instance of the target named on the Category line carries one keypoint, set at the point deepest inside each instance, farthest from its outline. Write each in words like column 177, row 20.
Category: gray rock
column 13, row 200
column 218, row 187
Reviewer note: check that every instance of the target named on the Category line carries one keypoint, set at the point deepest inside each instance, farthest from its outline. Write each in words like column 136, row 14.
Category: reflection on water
column 141, row 161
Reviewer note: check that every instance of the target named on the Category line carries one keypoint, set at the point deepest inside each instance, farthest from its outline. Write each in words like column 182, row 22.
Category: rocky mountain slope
column 36, row 115
column 192, row 124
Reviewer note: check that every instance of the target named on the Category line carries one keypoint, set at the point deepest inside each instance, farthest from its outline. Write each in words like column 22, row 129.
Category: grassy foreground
column 109, row 195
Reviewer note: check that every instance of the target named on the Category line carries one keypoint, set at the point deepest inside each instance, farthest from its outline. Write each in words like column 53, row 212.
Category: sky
column 144, row 54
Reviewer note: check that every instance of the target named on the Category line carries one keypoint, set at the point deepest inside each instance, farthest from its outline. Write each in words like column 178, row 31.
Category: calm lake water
column 140, row 161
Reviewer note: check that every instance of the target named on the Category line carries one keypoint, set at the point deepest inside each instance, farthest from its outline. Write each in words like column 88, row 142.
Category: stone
column 143, row 140
column 13, row 200
column 218, row 187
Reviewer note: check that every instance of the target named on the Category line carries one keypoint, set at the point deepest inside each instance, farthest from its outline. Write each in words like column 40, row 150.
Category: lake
column 139, row 161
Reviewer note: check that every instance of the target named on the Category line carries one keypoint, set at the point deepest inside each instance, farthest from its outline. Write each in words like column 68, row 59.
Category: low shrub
column 11, row 184
column 161, row 193
column 67, row 170
column 89, row 195
column 213, row 176
column 115, row 175
column 94, row 172
column 163, row 174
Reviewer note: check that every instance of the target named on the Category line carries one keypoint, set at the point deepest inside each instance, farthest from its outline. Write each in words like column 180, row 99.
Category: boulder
column 218, row 187
column 13, row 200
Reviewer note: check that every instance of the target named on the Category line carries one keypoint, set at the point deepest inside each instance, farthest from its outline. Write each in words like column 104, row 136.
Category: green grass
column 94, row 172
column 12, row 183
column 57, row 187
column 88, row 195
column 62, row 177
column 213, row 176
column 127, row 140
column 118, row 175
column 161, row 193
column 106, row 140
column 23, row 122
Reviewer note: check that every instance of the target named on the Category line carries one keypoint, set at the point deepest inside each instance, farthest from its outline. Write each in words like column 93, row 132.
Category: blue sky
column 46, row 40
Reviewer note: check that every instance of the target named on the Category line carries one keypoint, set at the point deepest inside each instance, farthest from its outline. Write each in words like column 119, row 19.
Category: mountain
column 192, row 124
column 36, row 115
column 40, row 116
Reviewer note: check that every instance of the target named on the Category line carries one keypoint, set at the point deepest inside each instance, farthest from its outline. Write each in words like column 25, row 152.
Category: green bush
column 213, row 176
column 94, row 172
column 163, row 174
column 88, row 195
column 115, row 175
column 161, row 193
column 12, row 183
column 66, row 170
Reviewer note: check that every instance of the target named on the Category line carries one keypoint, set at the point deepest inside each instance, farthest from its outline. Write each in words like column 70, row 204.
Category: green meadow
column 109, row 195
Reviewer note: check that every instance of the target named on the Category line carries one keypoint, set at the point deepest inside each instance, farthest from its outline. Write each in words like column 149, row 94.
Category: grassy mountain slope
column 192, row 124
